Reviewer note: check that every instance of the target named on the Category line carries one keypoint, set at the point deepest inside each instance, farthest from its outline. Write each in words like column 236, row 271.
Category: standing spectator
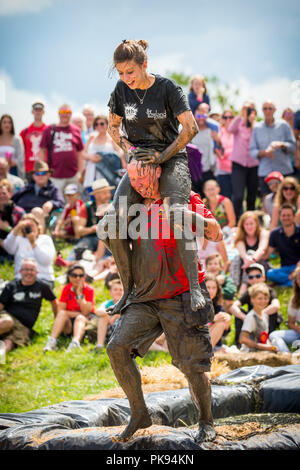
column 64, row 228
column 89, row 114
column 244, row 167
column 10, row 215
column 296, row 128
column 16, row 181
column 289, row 116
column 224, row 164
column 26, row 240
column 198, row 93
column 273, row 180
column 251, row 242
column 99, row 142
column 254, row 334
column 205, row 143
column 32, row 137
column 281, row 338
column 288, row 191
column 79, row 121
column 11, row 146
column 255, row 274
column 296, row 125
column 272, row 145
column 286, row 240
column 22, row 301
column 219, row 205
column 64, row 146
column 76, row 303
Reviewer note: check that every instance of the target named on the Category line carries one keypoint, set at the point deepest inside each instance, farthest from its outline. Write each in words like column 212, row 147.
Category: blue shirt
column 288, row 247
column 262, row 136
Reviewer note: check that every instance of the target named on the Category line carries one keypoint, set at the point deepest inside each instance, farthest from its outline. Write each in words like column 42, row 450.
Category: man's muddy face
column 144, row 179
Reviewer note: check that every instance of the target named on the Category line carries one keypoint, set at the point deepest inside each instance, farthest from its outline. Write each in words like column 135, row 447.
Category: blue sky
column 62, row 49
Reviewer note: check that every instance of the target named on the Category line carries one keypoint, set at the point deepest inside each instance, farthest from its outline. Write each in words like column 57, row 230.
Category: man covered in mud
column 160, row 302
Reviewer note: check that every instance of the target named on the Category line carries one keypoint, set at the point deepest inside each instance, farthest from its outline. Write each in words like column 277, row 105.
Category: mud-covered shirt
column 153, row 123
column 157, row 269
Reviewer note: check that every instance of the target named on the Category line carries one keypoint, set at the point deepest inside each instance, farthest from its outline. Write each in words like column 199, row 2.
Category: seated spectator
column 197, row 93
column 251, row 242
column 224, row 164
column 20, row 305
column 207, row 248
column 221, row 322
column 10, row 215
column 11, row 146
column 76, row 303
column 254, row 335
column 40, row 196
column 16, row 182
column 273, row 181
column 91, row 212
column 27, row 240
column 219, row 205
column 64, row 228
column 256, row 274
column 286, row 240
column 288, row 191
column 102, row 321
column 282, row 338
column 214, row 265
column 101, row 148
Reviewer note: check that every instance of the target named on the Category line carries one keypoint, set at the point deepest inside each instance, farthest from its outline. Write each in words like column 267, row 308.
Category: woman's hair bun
column 143, row 43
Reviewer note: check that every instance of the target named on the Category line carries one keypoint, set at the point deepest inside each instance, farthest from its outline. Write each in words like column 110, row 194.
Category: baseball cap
column 38, row 105
column 256, row 266
column 274, row 175
column 71, row 189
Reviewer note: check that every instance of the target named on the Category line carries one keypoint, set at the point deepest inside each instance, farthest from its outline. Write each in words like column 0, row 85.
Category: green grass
column 31, row 379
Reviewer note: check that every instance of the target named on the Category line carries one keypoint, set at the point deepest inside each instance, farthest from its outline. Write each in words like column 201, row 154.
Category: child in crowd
column 281, row 338
column 256, row 274
column 76, row 303
column 254, row 335
column 64, row 228
column 214, row 265
column 221, row 322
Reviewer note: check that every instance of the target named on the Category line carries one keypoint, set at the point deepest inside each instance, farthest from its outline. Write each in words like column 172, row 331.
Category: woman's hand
column 148, row 156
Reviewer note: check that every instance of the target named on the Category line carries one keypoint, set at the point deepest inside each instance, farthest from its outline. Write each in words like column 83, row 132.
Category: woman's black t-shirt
column 154, row 123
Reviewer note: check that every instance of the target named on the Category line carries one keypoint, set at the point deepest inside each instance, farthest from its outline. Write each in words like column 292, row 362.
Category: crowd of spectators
column 57, row 181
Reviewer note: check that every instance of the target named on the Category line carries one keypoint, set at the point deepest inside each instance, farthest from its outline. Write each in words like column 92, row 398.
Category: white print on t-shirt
column 35, row 145
column 130, row 111
column 155, row 115
column 34, row 295
column 63, row 142
column 18, row 296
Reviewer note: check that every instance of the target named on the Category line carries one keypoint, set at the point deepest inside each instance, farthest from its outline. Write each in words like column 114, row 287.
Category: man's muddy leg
column 129, row 378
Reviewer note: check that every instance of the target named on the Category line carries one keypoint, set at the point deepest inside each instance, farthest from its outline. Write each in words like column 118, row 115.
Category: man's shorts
column 19, row 334
column 141, row 323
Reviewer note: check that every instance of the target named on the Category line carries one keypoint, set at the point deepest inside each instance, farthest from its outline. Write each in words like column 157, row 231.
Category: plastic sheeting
column 80, row 424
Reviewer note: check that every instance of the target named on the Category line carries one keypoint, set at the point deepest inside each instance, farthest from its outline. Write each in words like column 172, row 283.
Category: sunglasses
column 99, row 124
column 288, row 188
column 254, row 276
column 64, row 111
column 227, row 117
column 76, row 275
column 201, row 116
column 268, row 109
column 41, row 173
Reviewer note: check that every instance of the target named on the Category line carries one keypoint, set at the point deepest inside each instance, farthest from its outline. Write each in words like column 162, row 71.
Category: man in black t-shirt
column 20, row 304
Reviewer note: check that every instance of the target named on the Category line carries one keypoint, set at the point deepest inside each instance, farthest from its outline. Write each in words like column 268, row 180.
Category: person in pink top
column 244, row 167
column 224, row 164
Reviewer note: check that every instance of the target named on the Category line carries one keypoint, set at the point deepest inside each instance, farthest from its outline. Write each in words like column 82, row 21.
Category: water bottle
column 2, row 352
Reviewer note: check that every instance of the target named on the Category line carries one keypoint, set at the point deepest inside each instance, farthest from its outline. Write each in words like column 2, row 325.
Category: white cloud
column 17, row 103
column 12, row 7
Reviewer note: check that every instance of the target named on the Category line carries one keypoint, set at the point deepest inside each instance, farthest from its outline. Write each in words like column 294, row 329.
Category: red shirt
column 67, row 143
column 32, row 137
column 68, row 297
column 67, row 215
column 157, row 269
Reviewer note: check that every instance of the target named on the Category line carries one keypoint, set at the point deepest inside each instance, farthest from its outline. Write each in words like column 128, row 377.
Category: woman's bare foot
column 197, row 299
column 138, row 420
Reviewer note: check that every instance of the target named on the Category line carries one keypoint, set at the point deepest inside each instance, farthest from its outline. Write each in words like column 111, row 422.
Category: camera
column 249, row 111
column 27, row 230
